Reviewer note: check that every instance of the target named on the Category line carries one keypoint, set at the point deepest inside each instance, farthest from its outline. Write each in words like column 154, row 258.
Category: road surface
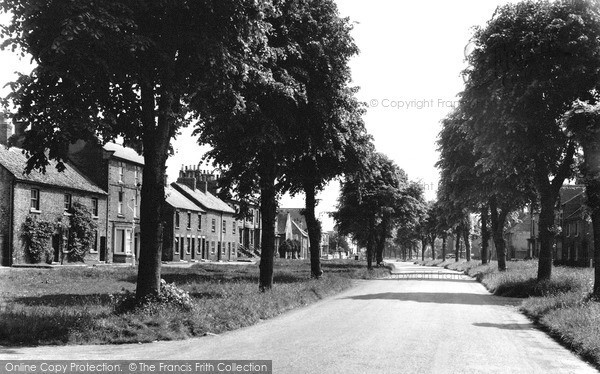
column 380, row 326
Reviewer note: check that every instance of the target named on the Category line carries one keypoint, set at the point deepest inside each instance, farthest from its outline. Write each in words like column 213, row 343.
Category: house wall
column 6, row 180
column 121, row 220
column 183, row 243
column 51, row 209
column 228, row 239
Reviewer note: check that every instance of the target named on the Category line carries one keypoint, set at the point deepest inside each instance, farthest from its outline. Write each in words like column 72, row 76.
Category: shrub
column 169, row 295
column 81, row 232
column 37, row 234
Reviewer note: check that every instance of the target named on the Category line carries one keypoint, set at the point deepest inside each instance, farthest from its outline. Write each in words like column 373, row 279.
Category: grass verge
column 561, row 305
column 79, row 305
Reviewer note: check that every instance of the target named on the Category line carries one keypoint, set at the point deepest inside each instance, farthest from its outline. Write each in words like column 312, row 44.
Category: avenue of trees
column 528, row 113
column 266, row 84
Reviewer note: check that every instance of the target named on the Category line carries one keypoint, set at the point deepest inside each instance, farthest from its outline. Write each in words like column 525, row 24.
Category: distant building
column 291, row 225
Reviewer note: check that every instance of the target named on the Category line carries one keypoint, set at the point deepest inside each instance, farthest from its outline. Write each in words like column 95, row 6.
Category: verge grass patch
column 81, row 305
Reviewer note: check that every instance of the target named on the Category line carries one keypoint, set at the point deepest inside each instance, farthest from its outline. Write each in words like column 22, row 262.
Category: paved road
column 382, row 326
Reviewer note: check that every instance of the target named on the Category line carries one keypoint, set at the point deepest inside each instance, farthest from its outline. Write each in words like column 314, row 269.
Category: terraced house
column 184, row 236
column 118, row 171
column 220, row 227
column 45, row 198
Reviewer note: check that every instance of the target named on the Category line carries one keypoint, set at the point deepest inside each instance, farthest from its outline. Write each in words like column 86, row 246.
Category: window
column 233, row 249
column 120, row 204
column 214, row 225
column 189, row 222
column 176, row 219
column 576, row 226
column 568, row 229
column 35, row 199
column 233, row 227
column 123, row 240
column 176, row 245
column 223, row 248
column 94, row 207
column 121, row 171
column 212, row 247
column 199, row 221
column 68, row 199
column 224, row 227
column 136, row 207
column 136, row 176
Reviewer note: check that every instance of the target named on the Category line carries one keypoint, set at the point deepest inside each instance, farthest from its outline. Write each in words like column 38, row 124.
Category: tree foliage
column 129, row 68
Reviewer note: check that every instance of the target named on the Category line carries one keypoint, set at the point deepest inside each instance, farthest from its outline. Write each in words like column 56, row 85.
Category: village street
column 384, row 326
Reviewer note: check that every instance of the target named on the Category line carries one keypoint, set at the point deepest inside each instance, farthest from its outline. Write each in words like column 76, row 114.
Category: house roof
column 302, row 232
column 124, row 153
column 296, row 216
column 14, row 161
column 177, row 200
column 205, row 199
column 570, row 191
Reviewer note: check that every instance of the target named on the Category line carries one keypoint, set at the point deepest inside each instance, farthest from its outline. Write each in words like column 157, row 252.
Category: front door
column 56, row 247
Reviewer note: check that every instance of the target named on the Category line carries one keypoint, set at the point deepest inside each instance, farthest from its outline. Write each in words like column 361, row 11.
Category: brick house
column 249, row 228
column 44, row 197
column 291, row 224
column 118, row 170
column 577, row 238
column 184, row 237
column 219, row 222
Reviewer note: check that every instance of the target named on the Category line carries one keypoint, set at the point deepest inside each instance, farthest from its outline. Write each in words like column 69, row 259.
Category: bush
column 81, row 232
column 37, row 234
column 170, row 295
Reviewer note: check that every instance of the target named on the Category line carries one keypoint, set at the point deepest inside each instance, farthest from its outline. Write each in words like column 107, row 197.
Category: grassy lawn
column 560, row 305
column 78, row 305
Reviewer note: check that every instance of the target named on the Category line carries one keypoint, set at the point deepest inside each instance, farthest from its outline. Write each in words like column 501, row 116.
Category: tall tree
column 373, row 201
column 127, row 68
column 583, row 120
column 516, row 97
column 330, row 127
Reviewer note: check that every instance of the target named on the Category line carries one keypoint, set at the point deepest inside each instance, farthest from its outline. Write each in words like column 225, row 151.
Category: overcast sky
column 408, row 71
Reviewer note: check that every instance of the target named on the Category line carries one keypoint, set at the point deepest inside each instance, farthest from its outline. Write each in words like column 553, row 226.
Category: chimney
column 6, row 129
column 205, row 186
column 186, row 181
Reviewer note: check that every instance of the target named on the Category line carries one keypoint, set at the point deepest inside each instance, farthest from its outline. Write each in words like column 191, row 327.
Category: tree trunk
column 485, row 235
column 380, row 240
column 593, row 196
column 498, row 219
column 268, row 212
column 423, row 247
column 433, row 248
column 444, row 241
column 467, row 237
column 370, row 243
column 156, row 139
column 591, row 150
column 546, row 223
column 457, row 232
column 314, row 230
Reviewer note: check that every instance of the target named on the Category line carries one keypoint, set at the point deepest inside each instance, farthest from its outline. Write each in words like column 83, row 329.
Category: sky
column 408, row 71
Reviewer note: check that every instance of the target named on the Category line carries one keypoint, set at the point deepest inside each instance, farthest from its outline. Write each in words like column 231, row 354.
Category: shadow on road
column 507, row 326
column 440, row 298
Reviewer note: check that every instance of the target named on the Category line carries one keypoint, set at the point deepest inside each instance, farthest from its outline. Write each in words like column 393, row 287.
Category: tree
column 338, row 243
column 131, row 69
column 374, row 201
column 583, row 120
column 516, row 96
